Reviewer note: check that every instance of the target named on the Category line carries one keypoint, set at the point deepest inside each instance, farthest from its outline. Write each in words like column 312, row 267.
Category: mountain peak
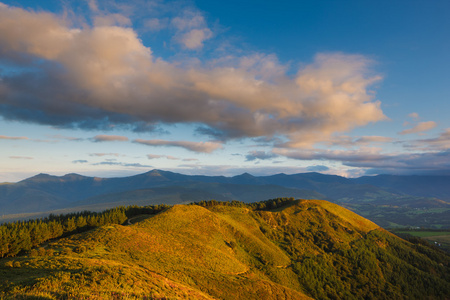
column 154, row 172
column 40, row 177
column 245, row 175
column 73, row 176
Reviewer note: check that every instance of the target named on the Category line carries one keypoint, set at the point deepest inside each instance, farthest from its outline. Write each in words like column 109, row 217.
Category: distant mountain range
column 44, row 192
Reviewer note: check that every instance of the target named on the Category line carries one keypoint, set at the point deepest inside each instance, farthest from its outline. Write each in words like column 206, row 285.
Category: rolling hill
column 304, row 249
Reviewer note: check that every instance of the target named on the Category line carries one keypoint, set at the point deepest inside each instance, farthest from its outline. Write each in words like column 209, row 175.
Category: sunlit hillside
column 280, row 249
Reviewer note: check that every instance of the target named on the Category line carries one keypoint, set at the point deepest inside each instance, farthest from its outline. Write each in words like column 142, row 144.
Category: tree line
column 261, row 205
column 21, row 236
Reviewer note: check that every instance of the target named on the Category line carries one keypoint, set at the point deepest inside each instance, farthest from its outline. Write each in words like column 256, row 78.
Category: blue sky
column 115, row 88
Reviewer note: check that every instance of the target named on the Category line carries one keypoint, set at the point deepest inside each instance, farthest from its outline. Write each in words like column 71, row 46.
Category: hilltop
column 281, row 249
column 390, row 201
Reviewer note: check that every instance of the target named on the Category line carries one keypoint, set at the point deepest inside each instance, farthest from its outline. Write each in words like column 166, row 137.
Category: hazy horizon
column 120, row 174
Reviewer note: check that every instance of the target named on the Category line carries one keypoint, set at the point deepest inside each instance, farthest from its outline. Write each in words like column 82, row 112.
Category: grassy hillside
column 298, row 250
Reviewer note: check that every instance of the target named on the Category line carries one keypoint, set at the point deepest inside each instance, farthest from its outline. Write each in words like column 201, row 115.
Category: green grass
column 440, row 239
column 424, row 234
column 303, row 249
column 388, row 216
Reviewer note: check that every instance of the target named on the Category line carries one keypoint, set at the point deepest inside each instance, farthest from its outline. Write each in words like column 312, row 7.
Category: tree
column 70, row 225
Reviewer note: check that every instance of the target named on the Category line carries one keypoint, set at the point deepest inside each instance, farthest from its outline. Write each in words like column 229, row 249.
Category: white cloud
column 194, row 39
column 105, row 154
column 170, row 157
column 155, row 156
column 414, row 115
column 93, row 5
column 192, row 30
column 103, row 77
column 155, row 24
column 112, row 20
column 421, row 127
column 189, row 20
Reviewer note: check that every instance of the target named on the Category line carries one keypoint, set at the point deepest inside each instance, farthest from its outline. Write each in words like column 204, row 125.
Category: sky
column 117, row 88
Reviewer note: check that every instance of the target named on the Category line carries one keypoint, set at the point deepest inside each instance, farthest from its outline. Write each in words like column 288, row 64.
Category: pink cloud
column 421, row 127
column 205, row 147
column 109, row 138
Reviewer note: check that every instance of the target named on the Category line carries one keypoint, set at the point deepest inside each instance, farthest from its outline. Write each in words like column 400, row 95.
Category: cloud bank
column 156, row 156
column 102, row 76
column 204, row 147
column 4, row 137
column 440, row 143
column 262, row 155
column 376, row 162
column 348, row 141
column 109, row 138
column 21, row 157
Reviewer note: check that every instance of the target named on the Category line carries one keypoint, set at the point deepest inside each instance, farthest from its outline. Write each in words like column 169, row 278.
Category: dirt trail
column 130, row 221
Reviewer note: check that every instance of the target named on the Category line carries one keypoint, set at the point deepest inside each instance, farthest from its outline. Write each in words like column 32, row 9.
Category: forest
column 18, row 237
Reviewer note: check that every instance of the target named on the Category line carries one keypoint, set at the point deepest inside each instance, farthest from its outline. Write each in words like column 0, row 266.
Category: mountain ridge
column 45, row 192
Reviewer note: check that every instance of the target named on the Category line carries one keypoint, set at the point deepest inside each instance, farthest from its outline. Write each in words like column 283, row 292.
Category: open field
column 426, row 234
column 388, row 216
column 438, row 238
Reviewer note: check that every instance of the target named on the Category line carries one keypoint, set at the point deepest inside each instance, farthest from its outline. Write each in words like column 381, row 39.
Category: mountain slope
column 299, row 250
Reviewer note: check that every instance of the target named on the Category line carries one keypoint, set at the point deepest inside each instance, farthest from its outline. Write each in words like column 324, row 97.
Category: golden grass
column 193, row 252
